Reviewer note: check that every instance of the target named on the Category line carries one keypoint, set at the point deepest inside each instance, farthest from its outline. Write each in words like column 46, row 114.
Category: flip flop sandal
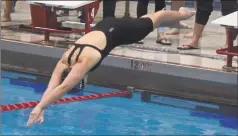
column 163, row 41
column 189, row 47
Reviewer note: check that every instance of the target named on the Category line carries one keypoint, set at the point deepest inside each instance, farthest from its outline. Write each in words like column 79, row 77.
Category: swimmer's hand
column 37, row 115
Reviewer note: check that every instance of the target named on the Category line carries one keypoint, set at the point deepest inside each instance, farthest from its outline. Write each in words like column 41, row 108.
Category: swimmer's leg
column 168, row 18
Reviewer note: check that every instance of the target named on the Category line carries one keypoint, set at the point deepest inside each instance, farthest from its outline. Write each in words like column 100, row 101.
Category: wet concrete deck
column 206, row 57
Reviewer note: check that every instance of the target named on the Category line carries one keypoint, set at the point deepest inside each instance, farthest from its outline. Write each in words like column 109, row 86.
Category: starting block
column 44, row 17
column 231, row 24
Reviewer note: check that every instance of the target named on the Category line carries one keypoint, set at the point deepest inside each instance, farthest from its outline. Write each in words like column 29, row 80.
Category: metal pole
column 127, row 9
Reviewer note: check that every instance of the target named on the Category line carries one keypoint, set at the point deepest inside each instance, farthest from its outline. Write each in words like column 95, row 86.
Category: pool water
column 108, row 116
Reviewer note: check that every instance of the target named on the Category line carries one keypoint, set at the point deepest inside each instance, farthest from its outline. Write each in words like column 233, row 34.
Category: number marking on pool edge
column 141, row 65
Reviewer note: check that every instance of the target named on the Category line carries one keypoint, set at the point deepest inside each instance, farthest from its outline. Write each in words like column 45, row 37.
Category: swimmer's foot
column 140, row 42
column 185, row 26
column 6, row 18
column 186, row 13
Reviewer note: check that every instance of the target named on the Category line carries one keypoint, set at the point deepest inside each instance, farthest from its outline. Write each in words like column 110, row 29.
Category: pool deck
column 202, row 64
column 213, row 38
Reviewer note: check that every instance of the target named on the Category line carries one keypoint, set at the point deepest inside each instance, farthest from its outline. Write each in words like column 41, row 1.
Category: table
column 231, row 24
column 43, row 15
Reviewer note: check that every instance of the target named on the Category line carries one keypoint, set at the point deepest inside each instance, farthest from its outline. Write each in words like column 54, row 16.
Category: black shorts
column 120, row 31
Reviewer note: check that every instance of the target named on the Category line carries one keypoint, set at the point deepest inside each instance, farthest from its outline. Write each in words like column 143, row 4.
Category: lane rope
column 32, row 104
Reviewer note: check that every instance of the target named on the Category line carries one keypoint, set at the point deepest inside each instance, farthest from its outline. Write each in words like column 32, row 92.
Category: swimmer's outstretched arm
column 54, row 82
column 55, row 77
column 76, row 74
column 74, row 77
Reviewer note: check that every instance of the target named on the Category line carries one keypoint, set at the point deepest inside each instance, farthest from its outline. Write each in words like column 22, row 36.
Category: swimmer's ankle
column 186, row 14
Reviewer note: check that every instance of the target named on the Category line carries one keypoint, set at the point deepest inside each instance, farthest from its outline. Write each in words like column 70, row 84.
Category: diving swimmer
column 88, row 52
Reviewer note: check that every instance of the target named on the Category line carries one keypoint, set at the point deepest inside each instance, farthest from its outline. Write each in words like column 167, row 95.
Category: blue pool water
column 109, row 116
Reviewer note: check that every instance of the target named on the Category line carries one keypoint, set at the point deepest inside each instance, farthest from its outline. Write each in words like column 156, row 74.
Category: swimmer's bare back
column 94, row 38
